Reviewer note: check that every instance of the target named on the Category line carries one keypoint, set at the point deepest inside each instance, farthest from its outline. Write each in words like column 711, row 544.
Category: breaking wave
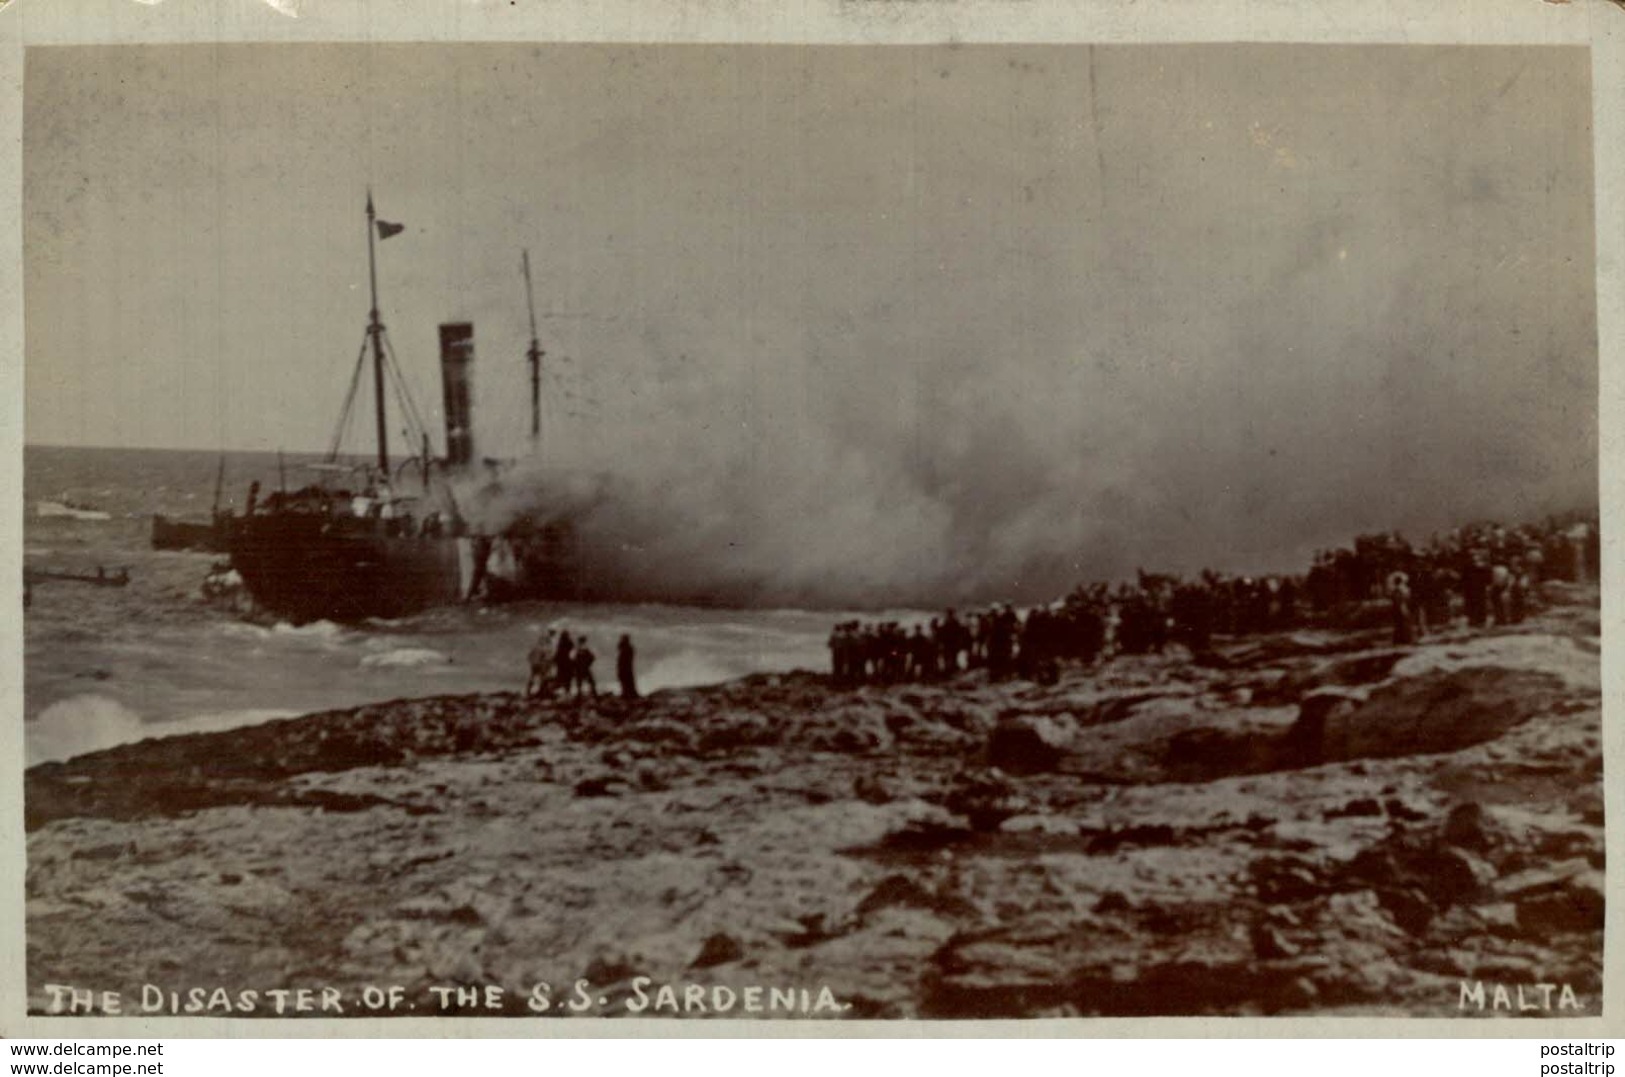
column 89, row 723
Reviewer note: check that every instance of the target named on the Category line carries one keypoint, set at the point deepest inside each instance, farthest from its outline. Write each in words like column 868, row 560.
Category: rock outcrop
column 1309, row 823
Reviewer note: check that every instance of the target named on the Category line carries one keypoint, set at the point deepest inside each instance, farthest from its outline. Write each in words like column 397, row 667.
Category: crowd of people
column 997, row 638
column 560, row 664
column 1481, row 574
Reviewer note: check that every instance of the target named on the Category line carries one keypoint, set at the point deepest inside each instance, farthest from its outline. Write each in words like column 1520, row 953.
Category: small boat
column 210, row 537
column 196, row 535
column 100, row 578
column 70, row 509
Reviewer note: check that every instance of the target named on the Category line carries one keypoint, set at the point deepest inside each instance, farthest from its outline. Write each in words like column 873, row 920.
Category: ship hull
column 297, row 567
column 300, row 567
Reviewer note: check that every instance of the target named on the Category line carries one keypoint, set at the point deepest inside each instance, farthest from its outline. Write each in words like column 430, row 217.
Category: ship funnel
column 456, row 362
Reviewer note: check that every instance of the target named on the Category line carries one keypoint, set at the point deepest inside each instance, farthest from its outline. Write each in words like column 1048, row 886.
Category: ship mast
column 383, row 359
column 534, row 355
column 375, row 330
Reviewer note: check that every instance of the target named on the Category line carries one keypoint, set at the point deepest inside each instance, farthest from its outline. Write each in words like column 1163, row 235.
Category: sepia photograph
column 811, row 532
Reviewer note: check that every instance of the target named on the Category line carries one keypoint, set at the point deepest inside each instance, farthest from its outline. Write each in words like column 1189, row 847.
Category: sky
column 912, row 321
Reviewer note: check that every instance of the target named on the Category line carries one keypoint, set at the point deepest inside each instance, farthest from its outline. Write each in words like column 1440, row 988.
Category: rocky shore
column 1311, row 823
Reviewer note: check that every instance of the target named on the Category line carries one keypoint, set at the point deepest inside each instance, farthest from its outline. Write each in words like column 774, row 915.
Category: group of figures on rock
column 1480, row 574
column 562, row 665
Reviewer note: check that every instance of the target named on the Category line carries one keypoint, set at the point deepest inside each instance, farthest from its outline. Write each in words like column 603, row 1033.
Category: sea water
column 109, row 665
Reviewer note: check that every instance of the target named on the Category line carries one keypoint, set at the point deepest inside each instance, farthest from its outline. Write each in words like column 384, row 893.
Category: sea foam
column 320, row 630
column 405, row 657
column 89, row 723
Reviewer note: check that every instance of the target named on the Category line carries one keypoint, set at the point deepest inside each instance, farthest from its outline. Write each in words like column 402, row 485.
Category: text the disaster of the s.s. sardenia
column 639, row 995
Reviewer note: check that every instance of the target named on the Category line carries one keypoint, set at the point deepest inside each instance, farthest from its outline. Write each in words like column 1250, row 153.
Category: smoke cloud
column 856, row 326
column 1028, row 318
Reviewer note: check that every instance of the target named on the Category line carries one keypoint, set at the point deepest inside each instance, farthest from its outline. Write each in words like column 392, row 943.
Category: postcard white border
column 1597, row 24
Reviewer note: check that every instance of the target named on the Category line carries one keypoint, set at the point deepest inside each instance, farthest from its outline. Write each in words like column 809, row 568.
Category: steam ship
column 353, row 545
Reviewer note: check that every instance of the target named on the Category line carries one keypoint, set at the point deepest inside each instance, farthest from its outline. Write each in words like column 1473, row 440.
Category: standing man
column 583, row 668
column 955, row 639
column 840, row 652
column 541, row 657
column 1001, row 638
column 1500, row 593
column 1402, row 608
column 564, row 666
column 624, row 657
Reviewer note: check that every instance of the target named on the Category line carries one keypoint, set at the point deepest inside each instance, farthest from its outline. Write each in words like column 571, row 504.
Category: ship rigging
column 385, row 369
